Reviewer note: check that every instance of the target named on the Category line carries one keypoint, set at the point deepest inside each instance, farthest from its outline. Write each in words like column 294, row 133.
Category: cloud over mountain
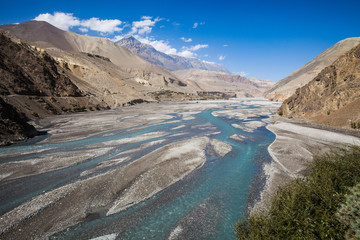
column 116, row 29
column 65, row 21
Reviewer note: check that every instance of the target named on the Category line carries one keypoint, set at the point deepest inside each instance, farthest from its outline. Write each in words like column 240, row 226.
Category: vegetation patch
column 313, row 207
column 355, row 125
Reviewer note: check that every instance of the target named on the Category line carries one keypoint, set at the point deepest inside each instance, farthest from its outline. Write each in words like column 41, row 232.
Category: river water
column 206, row 204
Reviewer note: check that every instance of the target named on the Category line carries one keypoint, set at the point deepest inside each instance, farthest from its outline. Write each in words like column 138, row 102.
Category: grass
column 308, row 208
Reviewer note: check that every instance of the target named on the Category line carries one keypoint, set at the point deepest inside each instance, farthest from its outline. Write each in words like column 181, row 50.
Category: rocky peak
column 129, row 41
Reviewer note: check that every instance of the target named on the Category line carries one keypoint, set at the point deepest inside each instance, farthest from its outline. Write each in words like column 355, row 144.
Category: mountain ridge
column 285, row 87
column 332, row 97
column 169, row 62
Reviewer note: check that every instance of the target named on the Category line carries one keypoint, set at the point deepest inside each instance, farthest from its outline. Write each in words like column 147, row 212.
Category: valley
column 167, row 169
column 129, row 138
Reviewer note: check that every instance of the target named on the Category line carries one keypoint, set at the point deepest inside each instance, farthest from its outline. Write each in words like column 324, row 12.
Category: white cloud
column 187, row 54
column 225, row 45
column 160, row 45
column 198, row 46
column 117, row 38
column 222, row 57
column 186, row 39
column 165, row 47
column 65, row 21
column 60, row 20
column 144, row 26
column 84, row 30
column 244, row 74
column 103, row 26
column 146, row 18
column 196, row 24
column 208, row 62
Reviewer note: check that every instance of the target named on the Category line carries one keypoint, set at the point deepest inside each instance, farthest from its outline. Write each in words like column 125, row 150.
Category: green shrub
column 349, row 213
column 306, row 208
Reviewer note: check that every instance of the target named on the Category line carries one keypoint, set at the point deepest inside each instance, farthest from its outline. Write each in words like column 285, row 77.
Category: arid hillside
column 33, row 85
column 99, row 62
column 332, row 97
column 285, row 87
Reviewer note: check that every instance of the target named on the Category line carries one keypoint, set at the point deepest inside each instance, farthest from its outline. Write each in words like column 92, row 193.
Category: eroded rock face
column 285, row 87
column 332, row 97
column 13, row 125
column 26, row 71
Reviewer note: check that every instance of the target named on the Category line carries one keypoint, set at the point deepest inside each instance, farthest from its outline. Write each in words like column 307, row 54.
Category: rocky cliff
column 285, row 87
column 32, row 85
column 332, row 97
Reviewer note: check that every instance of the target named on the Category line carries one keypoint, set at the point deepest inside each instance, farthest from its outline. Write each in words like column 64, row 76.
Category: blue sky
column 263, row 39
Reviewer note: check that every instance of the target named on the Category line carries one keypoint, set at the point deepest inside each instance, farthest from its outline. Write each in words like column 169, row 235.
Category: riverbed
column 172, row 170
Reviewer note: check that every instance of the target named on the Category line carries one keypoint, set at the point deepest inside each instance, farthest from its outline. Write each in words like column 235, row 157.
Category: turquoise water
column 204, row 205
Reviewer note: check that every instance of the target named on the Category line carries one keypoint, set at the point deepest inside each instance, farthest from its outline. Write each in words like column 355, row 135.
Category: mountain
column 98, row 66
column 13, row 125
column 332, row 97
column 169, row 62
column 32, row 85
column 287, row 86
column 213, row 82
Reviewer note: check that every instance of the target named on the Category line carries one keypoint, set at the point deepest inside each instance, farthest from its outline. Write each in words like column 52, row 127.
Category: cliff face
column 285, row 87
column 26, row 71
column 32, row 85
column 332, row 97
column 13, row 125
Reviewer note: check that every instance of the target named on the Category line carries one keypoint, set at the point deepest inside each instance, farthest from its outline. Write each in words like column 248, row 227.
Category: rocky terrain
column 219, row 82
column 287, row 86
column 33, row 85
column 99, row 64
column 169, row 62
column 332, row 97
column 13, row 125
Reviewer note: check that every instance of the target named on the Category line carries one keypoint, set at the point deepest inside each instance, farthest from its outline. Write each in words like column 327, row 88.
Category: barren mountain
column 99, row 66
column 210, row 81
column 332, row 97
column 32, row 83
column 169, row 62
column 287, row 86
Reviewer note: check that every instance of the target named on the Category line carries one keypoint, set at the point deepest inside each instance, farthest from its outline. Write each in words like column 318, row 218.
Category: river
column 204, row 204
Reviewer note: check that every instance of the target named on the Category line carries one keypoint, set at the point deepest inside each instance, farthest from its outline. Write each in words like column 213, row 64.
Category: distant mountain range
column 214, row 82
column 169, row 62
column 287, row 86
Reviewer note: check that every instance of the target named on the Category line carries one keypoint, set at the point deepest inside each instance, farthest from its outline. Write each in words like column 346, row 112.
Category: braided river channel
column 173, row 170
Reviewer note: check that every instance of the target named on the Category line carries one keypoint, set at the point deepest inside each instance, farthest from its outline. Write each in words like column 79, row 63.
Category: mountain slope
column 13, row 125
column 99, row 64
column 169, row 62
column 32, row 85
column 332, row 97
column 211, row 81
column 287, row 86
